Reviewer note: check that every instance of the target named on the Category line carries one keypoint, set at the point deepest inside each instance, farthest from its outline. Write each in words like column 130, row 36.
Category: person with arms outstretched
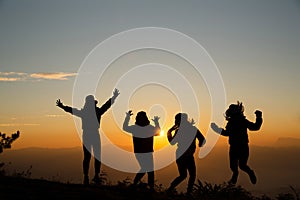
column 185, row 134
column 90, row 116
column 236, row 130
column 142, row 134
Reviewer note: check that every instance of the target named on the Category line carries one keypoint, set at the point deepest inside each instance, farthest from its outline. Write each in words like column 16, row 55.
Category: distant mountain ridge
column 287, row 141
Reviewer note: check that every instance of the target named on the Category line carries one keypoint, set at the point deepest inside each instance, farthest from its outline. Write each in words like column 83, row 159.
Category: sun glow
column 161, row 133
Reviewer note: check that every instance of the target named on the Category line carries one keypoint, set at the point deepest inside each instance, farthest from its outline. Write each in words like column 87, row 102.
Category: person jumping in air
column 236, row 130
column 185, row 134
column 90, row 116
column 142, row 134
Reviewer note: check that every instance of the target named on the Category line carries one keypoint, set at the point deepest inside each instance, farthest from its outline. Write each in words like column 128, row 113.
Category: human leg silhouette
column 145, row 161
column 234, row 160
column 151, row 179
column 141, row 172
column 86, row 164
column 148, row 166
column 191, row 167
column 244, row 155
column 138, row 177
column 91, row 140
column 182, row 169
column 97, row 157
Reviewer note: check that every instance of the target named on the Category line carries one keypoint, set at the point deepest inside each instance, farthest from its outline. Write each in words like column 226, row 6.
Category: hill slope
column 276, row 168
column 33, row 189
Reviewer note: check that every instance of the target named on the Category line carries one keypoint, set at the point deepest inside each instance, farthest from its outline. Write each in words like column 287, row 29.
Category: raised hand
column 59, row 103
column 216, row 128
column 116, row 93
column 155, row 119
column 129, row 113
column 258, row 113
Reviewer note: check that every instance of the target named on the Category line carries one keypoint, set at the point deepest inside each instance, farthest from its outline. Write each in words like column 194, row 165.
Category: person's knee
column 234, row 168
column 192, row 173
column 244, row 166
column 183, row 176
column 192, row 178
column 87, row 158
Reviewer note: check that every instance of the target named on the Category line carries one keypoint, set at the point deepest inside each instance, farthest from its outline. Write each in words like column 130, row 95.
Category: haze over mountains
column 287, row 142
column 276, row 167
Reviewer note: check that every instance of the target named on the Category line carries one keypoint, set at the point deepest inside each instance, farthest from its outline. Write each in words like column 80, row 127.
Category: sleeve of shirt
column 254, row 126
column 106, row 106
column 73, row 111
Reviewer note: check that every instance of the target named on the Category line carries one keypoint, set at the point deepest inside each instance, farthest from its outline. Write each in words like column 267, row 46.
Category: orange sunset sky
column 254, row 44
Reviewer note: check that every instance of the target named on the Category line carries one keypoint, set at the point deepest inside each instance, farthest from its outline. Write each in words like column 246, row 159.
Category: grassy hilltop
column 24, row 188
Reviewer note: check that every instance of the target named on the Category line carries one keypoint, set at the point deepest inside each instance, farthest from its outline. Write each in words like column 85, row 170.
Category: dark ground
column 23, row 188
column 33, row 189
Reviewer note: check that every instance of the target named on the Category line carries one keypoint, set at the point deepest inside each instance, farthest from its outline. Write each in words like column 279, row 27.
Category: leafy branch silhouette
column 6, row 141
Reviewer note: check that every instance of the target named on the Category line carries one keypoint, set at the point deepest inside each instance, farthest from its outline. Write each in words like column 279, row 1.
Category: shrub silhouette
column 6, row 141
column 220, row 191
column 289, row 196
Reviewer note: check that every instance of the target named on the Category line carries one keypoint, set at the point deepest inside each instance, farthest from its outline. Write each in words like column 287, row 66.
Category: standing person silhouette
column 142, row 135
column 236, row 130
column 185, row 137
column 90, row 116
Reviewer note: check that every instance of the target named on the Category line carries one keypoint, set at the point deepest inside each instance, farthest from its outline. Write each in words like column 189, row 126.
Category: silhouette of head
column 141, row 119
column 90, row 101
column 234, row 110
column 181, row 118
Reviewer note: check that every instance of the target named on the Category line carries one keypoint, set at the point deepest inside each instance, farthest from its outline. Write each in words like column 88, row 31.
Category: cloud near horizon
column 12, row 76
column 53, row 76
column 19, row 76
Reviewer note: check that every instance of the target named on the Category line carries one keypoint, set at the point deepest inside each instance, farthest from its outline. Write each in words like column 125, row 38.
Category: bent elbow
column 125, row 127
column 254, row 129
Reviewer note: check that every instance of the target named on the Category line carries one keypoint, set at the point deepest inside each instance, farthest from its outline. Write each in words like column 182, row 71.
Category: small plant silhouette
column 289, row 196
column 103, row 179
column 220, row 191
column 6, row 141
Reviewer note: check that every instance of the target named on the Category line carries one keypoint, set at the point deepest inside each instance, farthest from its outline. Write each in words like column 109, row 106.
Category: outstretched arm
column 219, row 130
column 109, row 102
column 216, row 128
column 157, row 127
column 258, row 122
column 68, row 109
column 126, row 127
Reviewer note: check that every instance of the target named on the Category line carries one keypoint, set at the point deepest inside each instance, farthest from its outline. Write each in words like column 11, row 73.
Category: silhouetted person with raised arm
column 185, row 134
column 142, row 135
column 236, row 130
column 90, row 116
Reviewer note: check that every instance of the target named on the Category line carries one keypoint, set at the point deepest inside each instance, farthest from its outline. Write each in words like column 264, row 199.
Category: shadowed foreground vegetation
column 25, row 188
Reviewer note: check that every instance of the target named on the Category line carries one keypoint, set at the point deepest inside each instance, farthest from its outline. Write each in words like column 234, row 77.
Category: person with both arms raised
column 90, row 116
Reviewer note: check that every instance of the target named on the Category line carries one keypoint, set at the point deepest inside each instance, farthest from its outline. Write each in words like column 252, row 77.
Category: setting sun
column 161, row 133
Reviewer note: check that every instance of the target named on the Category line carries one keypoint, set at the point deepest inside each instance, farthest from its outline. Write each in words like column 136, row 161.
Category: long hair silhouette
column 141, row 119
